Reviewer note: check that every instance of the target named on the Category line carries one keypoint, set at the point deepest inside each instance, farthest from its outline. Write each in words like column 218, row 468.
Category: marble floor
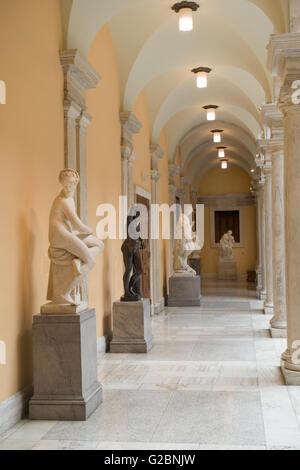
column 212, row 381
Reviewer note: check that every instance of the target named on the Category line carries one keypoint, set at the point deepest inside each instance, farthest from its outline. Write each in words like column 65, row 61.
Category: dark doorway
column 145, row 254
column 227, row 220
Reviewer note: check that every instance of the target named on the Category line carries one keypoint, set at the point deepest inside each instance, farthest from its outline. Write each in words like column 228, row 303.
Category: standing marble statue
column 185, row 243
column 73, row 247
column 132, row 260
column 226, row 245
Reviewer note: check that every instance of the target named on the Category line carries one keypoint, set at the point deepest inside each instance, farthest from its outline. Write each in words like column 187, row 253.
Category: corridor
column 212, row 381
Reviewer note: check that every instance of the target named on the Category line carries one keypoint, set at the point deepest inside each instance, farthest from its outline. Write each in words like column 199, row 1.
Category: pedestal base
column 184, row 291
column 132, row 330
column 66, row 386
column 227, row 270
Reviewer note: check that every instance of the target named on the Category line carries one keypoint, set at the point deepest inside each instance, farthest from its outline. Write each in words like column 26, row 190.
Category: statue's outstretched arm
column 75, row 220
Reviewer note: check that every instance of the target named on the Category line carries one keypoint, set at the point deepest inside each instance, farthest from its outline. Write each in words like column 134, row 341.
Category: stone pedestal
column 132, row 330
column 227, row 270
column 66, row 386
column 184, row 291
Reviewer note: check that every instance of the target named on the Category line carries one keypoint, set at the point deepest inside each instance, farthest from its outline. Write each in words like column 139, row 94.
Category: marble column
column 273, row 123
column 259, row 283
column 263, row 292
column 156, row 153
column 173, row 171
column 130, row 125
column 72, row 112
column 278, row 322
column 79, row 76
column 130, row 179
column 294, row 16
column 269, row 306
column 284, row 62
column 259, row 160
column 82, row 123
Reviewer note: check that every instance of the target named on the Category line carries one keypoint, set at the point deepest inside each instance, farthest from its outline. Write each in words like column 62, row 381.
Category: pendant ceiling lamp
column 202, row 74
column 217, row 134
column 224, row 164
column 221, row 151
column 211, row 111
column 185, row 10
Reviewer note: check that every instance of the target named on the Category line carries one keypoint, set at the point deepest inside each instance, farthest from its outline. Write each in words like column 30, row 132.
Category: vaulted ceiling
column 229, row 36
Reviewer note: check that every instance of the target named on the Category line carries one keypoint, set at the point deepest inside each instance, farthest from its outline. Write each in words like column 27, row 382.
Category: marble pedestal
column 132, row 329
column 66, row 386
column 227, row 270
column 184, row 291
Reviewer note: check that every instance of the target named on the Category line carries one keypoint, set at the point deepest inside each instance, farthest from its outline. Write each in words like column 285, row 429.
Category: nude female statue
column 185, row 243
column 73, row 248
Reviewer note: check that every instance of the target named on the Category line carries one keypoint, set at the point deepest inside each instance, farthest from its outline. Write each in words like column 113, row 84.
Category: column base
column 185, row 291
column 66, row 386
column 159, row 306
column 262, row 295
column 132, row 330
column 278, row 332
column 290, row 372
column 269, row 309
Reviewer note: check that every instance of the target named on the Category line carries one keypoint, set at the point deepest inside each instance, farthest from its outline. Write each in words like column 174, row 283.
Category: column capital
column 172, row 192
column 71, row 110
column 173, row 171
column 130, row 124
column 268, row 168
column 79, row 76
column 155, row 175
column 284, row 64
column 157, row 153
column 184, row 182
column 84, row 120
column 294, row 16
column 272, row 119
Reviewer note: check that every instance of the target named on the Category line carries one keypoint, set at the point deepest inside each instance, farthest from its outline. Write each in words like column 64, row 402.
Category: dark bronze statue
column 133, row 264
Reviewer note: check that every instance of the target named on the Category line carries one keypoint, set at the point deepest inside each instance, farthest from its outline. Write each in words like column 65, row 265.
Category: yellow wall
column 232, row 181
column 104, row 174
column 163, row 198
column 31, row 155
column 141, row 143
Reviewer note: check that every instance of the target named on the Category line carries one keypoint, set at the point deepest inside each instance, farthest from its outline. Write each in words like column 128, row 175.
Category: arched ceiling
column 230, row 36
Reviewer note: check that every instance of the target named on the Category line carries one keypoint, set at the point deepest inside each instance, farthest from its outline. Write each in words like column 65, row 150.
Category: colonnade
column 278, row 196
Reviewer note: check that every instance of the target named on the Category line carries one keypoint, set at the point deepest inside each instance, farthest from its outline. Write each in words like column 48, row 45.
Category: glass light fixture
column 217, row 135
column 224, row 164
column 221, row 151
column 185, row 10
column 186, row 20
column 211, row 111
column 202, row 73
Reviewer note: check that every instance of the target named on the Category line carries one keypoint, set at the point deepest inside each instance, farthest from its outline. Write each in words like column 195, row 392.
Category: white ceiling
column 230, row 36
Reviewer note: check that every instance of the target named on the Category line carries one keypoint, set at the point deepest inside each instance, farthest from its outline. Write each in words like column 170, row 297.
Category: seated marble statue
column 226, row 245
column 73, row 247
column 185, row 243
